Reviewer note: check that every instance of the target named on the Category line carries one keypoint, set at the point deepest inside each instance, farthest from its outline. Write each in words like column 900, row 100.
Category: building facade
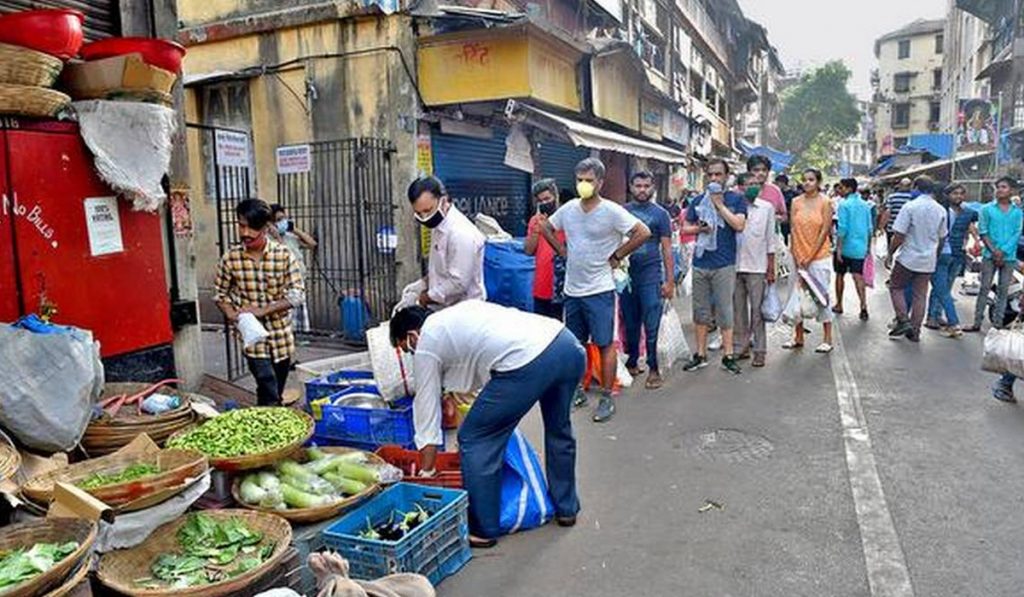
column 908, row 83
column 968, row 52
column 857, row 152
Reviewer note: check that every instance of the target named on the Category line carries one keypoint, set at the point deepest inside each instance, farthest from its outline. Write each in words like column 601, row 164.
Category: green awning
column 986, row 10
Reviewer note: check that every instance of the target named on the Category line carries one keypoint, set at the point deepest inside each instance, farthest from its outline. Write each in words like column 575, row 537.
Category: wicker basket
column 51, row 530
column 120, row 569
column 319, row 513
column 22, row 66
column 251, row 461
column 175, row 467
column 36, row 102
column 77, row 577
column 10, row 457
column 109, row 434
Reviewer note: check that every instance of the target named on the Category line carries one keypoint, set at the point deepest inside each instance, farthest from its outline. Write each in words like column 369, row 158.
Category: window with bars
column 901, row 82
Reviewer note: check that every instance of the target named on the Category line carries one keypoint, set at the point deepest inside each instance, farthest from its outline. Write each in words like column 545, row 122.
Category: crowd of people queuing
column 599, row 262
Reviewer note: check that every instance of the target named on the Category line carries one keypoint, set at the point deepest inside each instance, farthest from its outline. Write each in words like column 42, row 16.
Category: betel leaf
column 244, row 565
column 20, row 565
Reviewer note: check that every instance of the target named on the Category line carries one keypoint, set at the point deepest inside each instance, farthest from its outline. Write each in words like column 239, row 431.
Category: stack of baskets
column 109, row 434
column 33, row 48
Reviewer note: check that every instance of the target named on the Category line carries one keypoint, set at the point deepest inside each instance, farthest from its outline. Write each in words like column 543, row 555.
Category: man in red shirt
column 546, row 301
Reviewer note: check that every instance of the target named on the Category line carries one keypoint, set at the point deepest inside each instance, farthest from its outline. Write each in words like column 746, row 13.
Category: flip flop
column 824, row 348
column 792, row 345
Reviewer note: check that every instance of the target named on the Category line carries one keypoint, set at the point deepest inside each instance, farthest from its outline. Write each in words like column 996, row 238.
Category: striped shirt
column 958, row 225
column 244, row 282
column 893, row 205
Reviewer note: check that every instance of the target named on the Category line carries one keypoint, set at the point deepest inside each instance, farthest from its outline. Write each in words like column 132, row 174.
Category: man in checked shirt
column 261, row 277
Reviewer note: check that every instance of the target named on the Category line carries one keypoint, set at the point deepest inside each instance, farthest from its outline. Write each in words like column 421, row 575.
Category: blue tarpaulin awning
column 780, row 159
column 938, row 144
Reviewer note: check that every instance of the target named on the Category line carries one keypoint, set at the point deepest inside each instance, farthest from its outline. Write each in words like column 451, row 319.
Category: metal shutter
column 102, row 17
column 478, row 180
column 558, row 160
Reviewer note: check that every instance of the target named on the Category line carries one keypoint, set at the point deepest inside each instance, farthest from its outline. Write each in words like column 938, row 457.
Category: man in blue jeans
column 519, row 359
column 594, row 229
column 961, row 222
column 641, row 303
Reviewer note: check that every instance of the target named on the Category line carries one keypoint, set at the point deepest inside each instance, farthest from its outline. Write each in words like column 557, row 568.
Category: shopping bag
column 869, row 270
column 593, row 373
column 809, row 307
column 791, row 313
column 771, row 306
column 688, row 283
column 1003, row 351
column 525, row 502
column 392, row 368
column 672, row 344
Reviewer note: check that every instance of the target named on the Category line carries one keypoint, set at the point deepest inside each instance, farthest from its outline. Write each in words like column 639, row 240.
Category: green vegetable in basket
column 133, row 472
column 345, row 485
column 358, row 472
column 297, row 498
column 245, row 431
column 20, row 565
column 315, row 454
column 250, row 490
column 314, row 485
column 325, row 463
column 173, row 568
column 268, row 480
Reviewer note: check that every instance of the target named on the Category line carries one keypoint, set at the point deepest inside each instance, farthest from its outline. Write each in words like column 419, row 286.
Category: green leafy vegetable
column 133, row 472
column 20, row 565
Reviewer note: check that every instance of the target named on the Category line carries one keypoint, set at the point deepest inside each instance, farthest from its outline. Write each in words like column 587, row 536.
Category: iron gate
column 343, row 199
column 229, row 183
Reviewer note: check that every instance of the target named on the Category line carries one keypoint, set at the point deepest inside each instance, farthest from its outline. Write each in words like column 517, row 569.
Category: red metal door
column 8, row 277
column 121, row 295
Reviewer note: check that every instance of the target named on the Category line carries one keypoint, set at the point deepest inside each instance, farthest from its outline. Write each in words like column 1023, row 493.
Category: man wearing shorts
column 853, row 243
column 715, row 217
column 594, row 229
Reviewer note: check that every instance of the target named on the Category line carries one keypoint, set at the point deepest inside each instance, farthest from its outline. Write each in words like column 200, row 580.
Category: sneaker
column 730, row 364
column 1003, row 393
column 579, row 400
column 902, row 328
column 697, row 362
column 605, row 410
column 953, row 331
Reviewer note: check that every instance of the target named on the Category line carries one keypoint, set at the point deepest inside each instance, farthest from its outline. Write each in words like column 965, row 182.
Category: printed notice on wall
column 293, row 159
column 104, row 225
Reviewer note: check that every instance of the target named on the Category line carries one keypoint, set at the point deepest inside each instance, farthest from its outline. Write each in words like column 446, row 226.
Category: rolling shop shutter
column 558, row 160
column 478, row 180
column 102, row 17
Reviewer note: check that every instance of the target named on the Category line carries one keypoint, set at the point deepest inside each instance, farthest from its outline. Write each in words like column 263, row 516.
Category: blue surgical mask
column 282, row 226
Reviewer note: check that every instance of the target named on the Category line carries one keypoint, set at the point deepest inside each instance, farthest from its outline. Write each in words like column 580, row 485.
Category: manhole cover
column 725, row 445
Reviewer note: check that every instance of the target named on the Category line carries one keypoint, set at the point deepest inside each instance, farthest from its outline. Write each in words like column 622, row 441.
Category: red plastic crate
column 449, row 471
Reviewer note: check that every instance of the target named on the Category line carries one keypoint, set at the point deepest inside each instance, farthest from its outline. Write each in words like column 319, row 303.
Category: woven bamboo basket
column 37, row 102
column 51, row 530
column 319, row 513
column 251, row 461
column 119, row 570
column 10, row 458
column 77, row 577
column 109, row 434
column 175, row 467
column 22, row 66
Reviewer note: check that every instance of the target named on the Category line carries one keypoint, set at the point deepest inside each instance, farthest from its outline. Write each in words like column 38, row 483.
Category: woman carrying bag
column 810, row 225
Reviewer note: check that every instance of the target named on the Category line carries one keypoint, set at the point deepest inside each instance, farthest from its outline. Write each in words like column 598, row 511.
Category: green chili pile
column 243, row 432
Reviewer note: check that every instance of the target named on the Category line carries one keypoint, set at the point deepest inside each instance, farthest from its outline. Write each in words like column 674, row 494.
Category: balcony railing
column 694, row 11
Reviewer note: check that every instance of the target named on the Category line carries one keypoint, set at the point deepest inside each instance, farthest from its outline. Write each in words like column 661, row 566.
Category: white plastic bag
column 392, row 368
column 1004, row 351
column 621, row 373
column 410, row 295
column 808, row 306
column 791, row 313
column 688, row 283
column 771, row 306
column 251, row 329
column 672, row 344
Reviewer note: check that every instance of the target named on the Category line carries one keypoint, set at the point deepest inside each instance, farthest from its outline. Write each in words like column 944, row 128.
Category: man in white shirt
column 519, row 359
column 917, row 239
column 594, row 229
column 755, row 270
column 455, row 269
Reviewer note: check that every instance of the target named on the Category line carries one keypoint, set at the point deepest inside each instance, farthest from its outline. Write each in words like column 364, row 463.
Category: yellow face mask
column 585, row 189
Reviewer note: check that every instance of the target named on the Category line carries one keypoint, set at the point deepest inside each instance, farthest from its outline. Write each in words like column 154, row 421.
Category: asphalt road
column 768, row 446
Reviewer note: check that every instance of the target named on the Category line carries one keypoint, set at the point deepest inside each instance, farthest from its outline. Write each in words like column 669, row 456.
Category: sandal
column 824, row 348
column 793, row 345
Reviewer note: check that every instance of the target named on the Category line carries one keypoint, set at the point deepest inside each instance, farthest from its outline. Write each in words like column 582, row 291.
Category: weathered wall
column 325, row 93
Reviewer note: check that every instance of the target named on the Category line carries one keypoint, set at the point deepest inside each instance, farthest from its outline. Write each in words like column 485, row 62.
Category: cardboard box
column 115, row 77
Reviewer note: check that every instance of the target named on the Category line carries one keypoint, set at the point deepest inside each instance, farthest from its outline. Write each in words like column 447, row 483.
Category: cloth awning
column 587, row 135
column 931, row 166
column 780, row 159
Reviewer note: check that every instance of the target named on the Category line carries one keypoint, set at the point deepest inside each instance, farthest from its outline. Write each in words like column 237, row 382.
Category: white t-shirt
column 758, row 239
column 923, row 224
column 460, row 346
column 591, row 238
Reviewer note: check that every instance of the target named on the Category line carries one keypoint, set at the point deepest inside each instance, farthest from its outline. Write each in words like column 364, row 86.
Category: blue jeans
column 641, row 307
column 941, row 299
column 550, row 379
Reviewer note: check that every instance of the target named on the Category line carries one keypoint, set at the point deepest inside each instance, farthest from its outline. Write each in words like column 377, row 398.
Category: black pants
column 270, row 379
column 548, row 308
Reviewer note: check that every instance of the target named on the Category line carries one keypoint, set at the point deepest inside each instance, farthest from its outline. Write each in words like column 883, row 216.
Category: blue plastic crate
column 436, row 549
column 332, row 383
column 366, row 428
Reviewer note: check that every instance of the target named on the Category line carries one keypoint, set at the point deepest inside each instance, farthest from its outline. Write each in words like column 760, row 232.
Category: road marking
column 883, row 555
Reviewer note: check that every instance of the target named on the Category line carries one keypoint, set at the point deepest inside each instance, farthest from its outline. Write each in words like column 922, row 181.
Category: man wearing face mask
column 297, row 241
column 263, row 278
column 455, row 270
column 594, row 229
column 546, row 300
column 517, row 360
column 651, row 280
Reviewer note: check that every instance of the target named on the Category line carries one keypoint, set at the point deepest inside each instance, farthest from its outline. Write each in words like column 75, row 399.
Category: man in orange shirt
column 546, row 297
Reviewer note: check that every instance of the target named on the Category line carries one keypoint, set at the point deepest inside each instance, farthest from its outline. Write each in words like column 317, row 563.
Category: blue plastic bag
column 508, row 275
column 525, row 502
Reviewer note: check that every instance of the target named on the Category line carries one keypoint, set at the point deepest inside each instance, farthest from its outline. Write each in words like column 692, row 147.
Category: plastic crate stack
column 364, row 428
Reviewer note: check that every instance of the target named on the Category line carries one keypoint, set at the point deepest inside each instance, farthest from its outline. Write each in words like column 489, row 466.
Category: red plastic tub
column 155, row 52
column 57, row 32
column 449, row 472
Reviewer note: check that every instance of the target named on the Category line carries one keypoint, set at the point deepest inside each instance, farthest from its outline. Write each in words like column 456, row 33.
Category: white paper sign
column 104, row 226
column 232, row 149
column 293, row 159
